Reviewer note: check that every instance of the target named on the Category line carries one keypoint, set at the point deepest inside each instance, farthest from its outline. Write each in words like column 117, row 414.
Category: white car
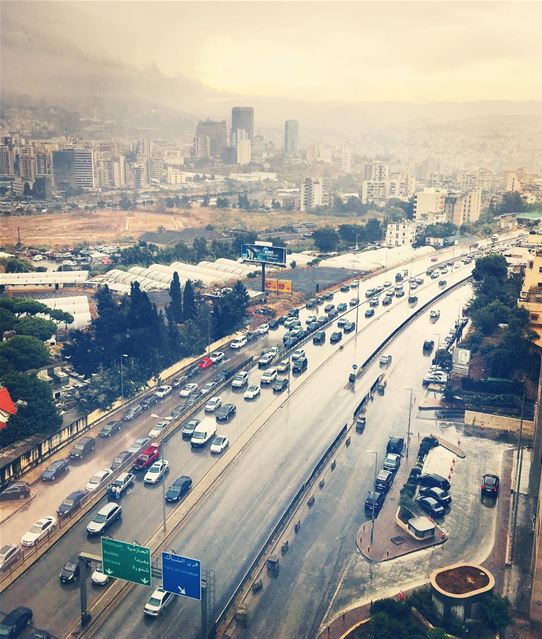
column 213, row 404
column 188, row 389
column 216, row 357
column 238, row 343
column 38, row 531
column 298, row 354
column 283, row 366
column 156, row 603
column 310, row 319
column 97, row 479
column 219, row 444
column 121, row 484
column 156, row 472
column 269, row 376
column 435, row 378
column 157, row 430
column 266, row 359
column 385, row 360
column 163, row 391
column 274, row 350
column 263, row 329
column 207, row 388
column 252, row 392
column 240, row 380
column 434, row 314
column 99, row 578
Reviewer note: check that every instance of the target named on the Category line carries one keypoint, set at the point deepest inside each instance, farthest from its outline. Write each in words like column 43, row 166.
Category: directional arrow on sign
column 144, row 581
column 182, row 590
column 109, row 571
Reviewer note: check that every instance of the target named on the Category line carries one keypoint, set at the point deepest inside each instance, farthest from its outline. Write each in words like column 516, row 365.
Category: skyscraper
column 311, row 193
column 291, row 135
column 242, row 118
column 217, row 134
column 73, row 168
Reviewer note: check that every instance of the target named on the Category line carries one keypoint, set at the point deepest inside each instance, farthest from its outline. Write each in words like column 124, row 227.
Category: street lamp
column 122, row 379
column 162, row 454
column 375, row 453
column 409, row 418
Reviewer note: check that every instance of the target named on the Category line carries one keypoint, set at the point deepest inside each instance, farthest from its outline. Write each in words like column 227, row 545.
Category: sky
column 315, row 51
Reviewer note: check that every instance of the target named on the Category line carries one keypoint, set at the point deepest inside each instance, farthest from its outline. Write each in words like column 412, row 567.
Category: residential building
column 118, row 172
column 216, row 132
column 312, row 193
column 374, row 191
column 402, row 233
column 27, row 166
column 429, row 206
column 291, row 138
column 242, row 147
column 201, row 147
column 7, row 160
column 464, row 208
column 155, row 168
column 377, row 170
column 73, row 168
column 175, row 176
column 242, row 118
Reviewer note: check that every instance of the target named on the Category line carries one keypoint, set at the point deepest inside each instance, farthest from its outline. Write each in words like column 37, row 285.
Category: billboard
column 278, row 286
column 274, row 255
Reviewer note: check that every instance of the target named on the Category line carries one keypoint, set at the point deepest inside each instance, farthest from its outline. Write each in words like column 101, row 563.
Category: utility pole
column 519, row 464
column 409, row 419
column 122, row 379
column 375, row 453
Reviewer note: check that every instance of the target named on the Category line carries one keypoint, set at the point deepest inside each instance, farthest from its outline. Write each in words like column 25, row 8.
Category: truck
column 203, row 433
column 147, row 458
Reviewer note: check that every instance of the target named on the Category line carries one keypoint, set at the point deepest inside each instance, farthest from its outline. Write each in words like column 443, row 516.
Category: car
column 120, row 459
column 274, row 324
column 319, row 337
column 310, row 319
column 83, row 448
column 388, row 299
column 9, row 555
column 240, row 380
column 212, row 404
column 399, row 292
column 155, row 473
column 70, row 570
column 328, row 296
column 266, row 359
column 335, row 337
column 104, row 518
column 342, row 322
column 354, row 302
column 434, row 275
column 193, row 371
column 176, row 412
column 294, row 312
column 442, row 496
column 430, row 506
column 428, row 346
column 151, row 400
column 432, row 479
column 177, row 382
column 395, row 445
column 238, row 343
column 300, row 365
column 298, row 354
column 385, row 360
column 361, row 422
column 387, row 284
column 55, row 470
column 225, row 412
column 15, row 622
column 207, row 387
column 412, row 299
column 178, row 488
column 221, row 376
column 312, row 303
column 188, row 428
column 157, row 430
column 295, row 332
column 280, row 385
column 349, row 327
column 269, row 376
column 38, row 531
column 345, row 288
column 374, row 302
column 158, row 602
column 132, row 413
column 419, row 281
column 373, row 503
column 392, row 462
column 329, row 307
column 323, row 320
column 147, row 458
column 284, row 366
column 263, row 329
column 204, row 363
column 138, row 444
column 71, row 503
column 121, row 484
column 163, row 391
column 187, row 390
column 436, row 377
column 369, row 312
column 98, row 479
column 219, row 444
column 442, row 283
column 99, row 577
column 289, row 322
column 384, row 480
column 17, row 490
column 217, row 356
column 111, row 428
column 490, row 485
column 313, row 326
column 413, row 286
column 252, row 392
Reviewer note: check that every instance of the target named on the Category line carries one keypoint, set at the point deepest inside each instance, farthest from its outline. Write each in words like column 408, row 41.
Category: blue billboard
column 274, row 255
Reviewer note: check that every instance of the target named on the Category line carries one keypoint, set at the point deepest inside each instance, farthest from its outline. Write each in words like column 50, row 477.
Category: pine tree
column 190, row 308
column 176, row 295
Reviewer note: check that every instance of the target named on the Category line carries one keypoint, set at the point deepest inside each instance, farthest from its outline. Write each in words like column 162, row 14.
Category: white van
column 239, row 342
column 204, row 432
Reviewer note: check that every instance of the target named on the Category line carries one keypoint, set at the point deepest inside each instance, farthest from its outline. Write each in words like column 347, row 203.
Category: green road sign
column 126, row 561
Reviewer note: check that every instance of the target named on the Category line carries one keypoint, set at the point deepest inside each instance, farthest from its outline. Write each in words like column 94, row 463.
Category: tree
column 512, row 202
column 326, row 238
column 222, row 202
column 496, row 612
column 176, row 296
column 22, row 353
column 16, row 265
column 206, row 200
column 373, row 230
column 200, row 248
column 190, row 309
column 352, row 233
column 243, row 201
column 37, row 327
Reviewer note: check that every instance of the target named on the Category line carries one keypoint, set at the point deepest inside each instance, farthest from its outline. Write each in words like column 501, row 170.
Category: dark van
column 374, row 503
column 383, row 481
column 83, row 448
column 435, row 480
column 395, row 445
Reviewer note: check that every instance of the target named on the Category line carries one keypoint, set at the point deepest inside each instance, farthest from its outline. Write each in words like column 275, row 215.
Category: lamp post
column 162, row 454
column 409, row 418
column 375, row 453
column 122, row 379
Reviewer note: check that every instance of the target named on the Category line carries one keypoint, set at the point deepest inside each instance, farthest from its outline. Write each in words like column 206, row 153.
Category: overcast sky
column 315, row 51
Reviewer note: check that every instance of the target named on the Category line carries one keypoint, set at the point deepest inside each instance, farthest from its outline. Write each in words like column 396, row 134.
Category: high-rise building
column 374, row 191
column 118, row 172
column 402, row 233
column 464, row 208
column 43, row 164
column 312, row 193
column 377, row 170
column 73, row 168
column 27, row 167
column 201, row 147
column 242, row 118
column 217, row 134
column 7, row 160
column 291, row 138
column 429, row 206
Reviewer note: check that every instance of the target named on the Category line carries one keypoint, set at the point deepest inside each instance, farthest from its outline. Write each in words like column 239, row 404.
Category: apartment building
column 402, row 233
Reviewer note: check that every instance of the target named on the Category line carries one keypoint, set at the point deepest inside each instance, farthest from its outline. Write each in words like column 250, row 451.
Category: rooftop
column 462, row 580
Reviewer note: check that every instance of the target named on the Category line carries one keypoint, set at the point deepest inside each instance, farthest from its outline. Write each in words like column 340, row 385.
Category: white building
column 312, row 193
column 243, row 151
column 377, row 170
column 402, row 233
column 464, row 208
column 429, row 206
column 374, row 191
column 175, row 176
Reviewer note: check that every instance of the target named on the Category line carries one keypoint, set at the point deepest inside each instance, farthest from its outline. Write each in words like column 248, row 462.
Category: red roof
column 7, row 407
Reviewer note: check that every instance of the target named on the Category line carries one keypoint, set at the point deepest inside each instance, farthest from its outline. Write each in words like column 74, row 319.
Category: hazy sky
column 315, row 51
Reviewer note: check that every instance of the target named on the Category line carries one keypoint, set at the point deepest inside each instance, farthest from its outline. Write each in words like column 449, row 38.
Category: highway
column 226, row 528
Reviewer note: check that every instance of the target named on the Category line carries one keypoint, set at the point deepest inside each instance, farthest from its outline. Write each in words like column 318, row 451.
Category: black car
column 178, row 382
column 319, row 337
column 300, row 365
column 83, row 448
column 293, row 312
column 412, row 299
column 333, row 314
column 322, row 320
column 190, row 401
column 490, row 485
column 273, row 324
column 329, row 307
column 345, row 288
column 431, row 506
column 40, row 634
column 149, row 401
column 433, row 479
column 221, row 376
column 120, row 459
column 312, row 303
column 70, row 570
column 55, row 470
column 369, row 312
column 111, row 428
column 349, row 327
column 177, row 412
column 281, row 319
column 336, row 336
column 443, row 497
column 374, row 503
column 395, row 445
column 251, row 336
column 225, row 412
column 342, row 322
column 15, row 622
column 71, row 503
column 189, row 428
column 428, row 345
column 178, row 488
column 17, row 490
column 383, row 481
column 193, row 371
column 280, row 385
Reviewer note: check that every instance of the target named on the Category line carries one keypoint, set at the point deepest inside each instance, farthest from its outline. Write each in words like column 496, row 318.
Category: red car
column 147, row 458
column 205, row 362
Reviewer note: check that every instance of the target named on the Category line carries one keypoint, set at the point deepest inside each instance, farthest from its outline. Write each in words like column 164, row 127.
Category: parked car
column 490, row 485
column 10, row 554
column 252, row 392
column 38, row 531
column 373, row 503
column 17, row 490
column 383, row 481
column 435, row 377
column 15, row 622
column 132, row 413
column 111, row 428
column 71, row 503
column 442, row 496
column 226, row 412
column 432, row 479
column 158, row 602
column 187, row 390
column 104, row 518
column 336, row 336
column 263, row 329
column 178, row 488
column 395, row 445
column 151, row 400
column 219, row 444
column 216, row 357
column 280, row 385
column 120, row 459
column 206, row 362
column 83, row 448
column 361, row 422
column 70, row 570
column 55, row 470
column 138, row 445
column 159, row 469
column 431, row 506
column 392, row 462
column 188, row 428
